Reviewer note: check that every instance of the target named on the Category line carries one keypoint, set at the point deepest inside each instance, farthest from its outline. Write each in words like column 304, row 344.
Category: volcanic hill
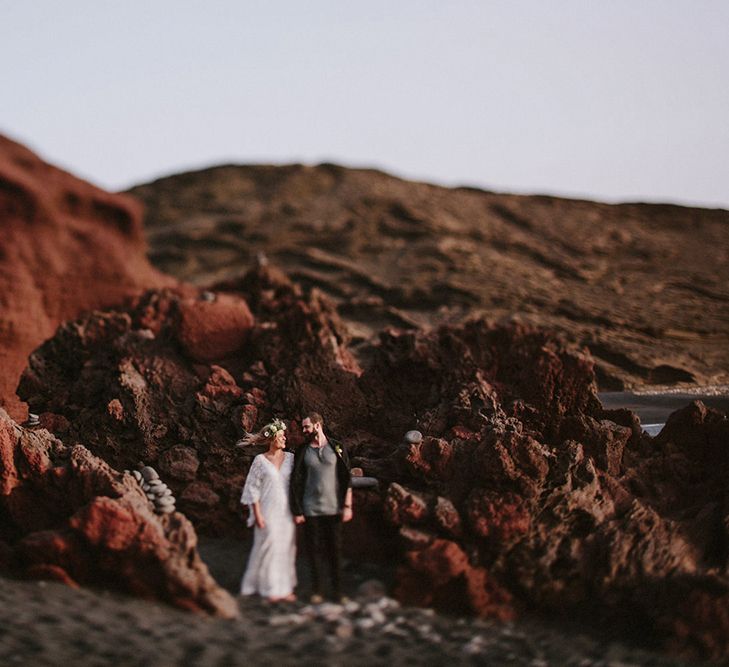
column 644, row 286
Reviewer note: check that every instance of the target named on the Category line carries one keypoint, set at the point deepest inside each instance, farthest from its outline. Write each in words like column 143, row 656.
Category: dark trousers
column 323, row 537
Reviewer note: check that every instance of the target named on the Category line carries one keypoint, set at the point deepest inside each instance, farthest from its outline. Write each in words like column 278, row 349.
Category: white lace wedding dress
column 271, row 569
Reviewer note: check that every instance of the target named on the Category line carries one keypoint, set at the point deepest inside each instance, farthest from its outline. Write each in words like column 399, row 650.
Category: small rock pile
column 160, row 496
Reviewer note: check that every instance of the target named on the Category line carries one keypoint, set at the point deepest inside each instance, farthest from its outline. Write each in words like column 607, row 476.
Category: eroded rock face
column 67, row 516
column 562, row 506
column 523, row 493
column 66, row 247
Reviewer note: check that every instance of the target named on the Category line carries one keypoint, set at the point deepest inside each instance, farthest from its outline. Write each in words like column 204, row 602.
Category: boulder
column 215, row 329
column 70, row 517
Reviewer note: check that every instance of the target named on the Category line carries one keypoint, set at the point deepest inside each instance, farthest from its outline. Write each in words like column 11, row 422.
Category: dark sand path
column 50, row 624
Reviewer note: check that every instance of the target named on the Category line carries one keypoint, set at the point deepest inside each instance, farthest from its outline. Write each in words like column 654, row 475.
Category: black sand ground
column 50, row 624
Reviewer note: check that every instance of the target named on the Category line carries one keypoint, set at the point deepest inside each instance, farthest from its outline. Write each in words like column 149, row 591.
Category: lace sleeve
column 252, row 488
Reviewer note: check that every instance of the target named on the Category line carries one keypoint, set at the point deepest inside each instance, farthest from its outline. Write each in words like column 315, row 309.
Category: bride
column 271, row 569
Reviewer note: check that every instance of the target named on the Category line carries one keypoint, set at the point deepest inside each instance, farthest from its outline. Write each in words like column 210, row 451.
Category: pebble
column 287, row 619
column 344, row 630
column 352, row 607
column 386, row 603
column 149, row 473
column 474, row 646
column 160, row 496
column 377, row 616
column 330, row 611
column 364, row 623
column 394, row 630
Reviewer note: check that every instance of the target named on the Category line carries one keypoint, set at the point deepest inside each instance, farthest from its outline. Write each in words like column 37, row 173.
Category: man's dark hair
column 316, row 418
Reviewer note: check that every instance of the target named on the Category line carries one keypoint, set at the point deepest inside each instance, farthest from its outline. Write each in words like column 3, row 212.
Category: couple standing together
column 312, row 487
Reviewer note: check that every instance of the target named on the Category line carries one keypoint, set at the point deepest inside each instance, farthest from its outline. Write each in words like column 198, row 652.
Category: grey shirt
column 320, row 493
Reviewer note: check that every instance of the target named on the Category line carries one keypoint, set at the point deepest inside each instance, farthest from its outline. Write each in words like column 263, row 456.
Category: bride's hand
column 260, row 522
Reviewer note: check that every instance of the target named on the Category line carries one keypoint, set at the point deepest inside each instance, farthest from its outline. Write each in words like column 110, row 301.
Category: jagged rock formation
column 523, row 494
column 643, row 286
column 130, row 386
column 65, row 515
column 65, row 247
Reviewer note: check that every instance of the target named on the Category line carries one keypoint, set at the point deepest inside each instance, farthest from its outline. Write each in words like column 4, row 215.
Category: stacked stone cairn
column 158, row 493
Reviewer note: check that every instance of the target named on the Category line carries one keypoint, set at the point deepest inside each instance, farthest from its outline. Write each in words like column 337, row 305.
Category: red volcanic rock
column 179, row 462
column 702, row 433
column 683, row 471
column 604, row 440
column 404, row 507
column 162, row 405
column 72, row 518
column 447, row 517
column 499, row 517
column 440, row 574
column 66, row 247
column 440, row 562
column 486, row 597
column 211, row 330
column 505, row 461
column 513, row 377
column 199, row 493
column 429, row 458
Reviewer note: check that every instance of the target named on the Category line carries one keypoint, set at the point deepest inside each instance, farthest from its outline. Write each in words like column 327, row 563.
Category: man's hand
column 299, row 519
column 347, row 514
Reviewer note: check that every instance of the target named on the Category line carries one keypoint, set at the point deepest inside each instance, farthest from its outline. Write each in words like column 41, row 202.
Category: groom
column 321, row 499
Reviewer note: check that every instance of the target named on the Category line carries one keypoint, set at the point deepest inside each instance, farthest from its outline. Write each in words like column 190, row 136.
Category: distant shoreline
column 656, row 407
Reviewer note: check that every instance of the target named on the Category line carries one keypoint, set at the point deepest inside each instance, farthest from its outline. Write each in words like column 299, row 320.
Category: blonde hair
column 264, row 436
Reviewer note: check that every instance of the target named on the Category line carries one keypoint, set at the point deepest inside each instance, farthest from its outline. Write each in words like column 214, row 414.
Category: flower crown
column 273, row 428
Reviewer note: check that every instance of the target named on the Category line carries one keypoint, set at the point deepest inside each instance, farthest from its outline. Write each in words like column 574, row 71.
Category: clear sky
column 606, row 99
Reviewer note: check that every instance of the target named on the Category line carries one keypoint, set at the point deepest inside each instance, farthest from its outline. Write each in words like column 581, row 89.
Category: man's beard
column 311, row 437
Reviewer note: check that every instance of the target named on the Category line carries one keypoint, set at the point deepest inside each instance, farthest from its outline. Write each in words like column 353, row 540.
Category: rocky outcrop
column 522, row 493
column 557, row 506
column 66, row 247
column 67, row 516
column 132, row 386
